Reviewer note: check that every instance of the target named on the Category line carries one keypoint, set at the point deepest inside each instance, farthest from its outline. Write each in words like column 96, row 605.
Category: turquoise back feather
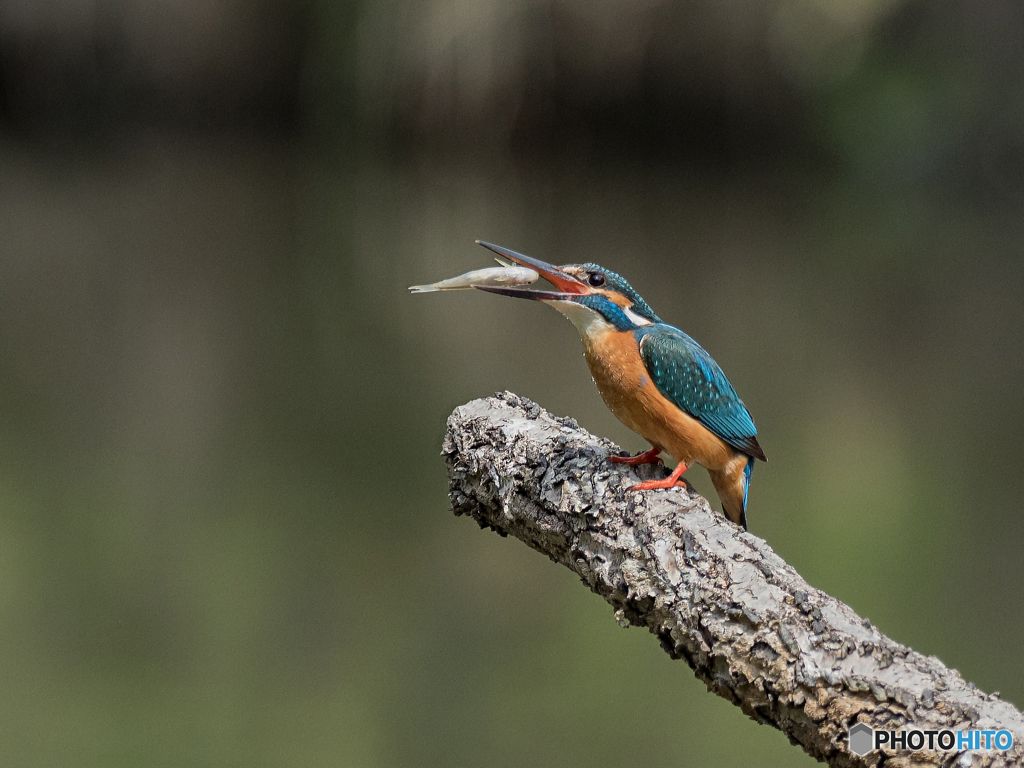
column 691, row 379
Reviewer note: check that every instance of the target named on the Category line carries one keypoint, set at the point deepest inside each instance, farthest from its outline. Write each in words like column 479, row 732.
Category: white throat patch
column 590, row 323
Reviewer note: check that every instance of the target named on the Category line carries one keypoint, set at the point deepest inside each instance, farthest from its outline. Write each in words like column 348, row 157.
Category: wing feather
column 691, row 379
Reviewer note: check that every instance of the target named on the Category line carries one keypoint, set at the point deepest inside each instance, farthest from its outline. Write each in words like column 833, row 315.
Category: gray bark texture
column 750, row 627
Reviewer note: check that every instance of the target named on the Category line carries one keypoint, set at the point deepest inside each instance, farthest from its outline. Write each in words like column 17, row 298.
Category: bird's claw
column 676, row 478
column 647, row 457
column 651, row 485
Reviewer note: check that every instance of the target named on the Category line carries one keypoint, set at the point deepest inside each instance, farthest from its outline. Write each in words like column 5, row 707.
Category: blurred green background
column 224, row 531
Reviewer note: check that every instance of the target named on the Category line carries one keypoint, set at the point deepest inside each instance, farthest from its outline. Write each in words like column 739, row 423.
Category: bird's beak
column 567, row 285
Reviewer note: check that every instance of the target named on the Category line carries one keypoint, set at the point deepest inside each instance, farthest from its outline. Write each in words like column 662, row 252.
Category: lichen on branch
column 746, row 622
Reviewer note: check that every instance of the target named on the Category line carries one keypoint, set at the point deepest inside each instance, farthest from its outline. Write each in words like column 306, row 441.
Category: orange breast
column 629, row 393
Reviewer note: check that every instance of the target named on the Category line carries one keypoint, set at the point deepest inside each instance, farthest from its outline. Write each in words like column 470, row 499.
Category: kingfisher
column 654, row 378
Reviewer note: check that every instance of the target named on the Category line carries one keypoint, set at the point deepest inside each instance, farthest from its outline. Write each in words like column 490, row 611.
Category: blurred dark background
column 224, row 532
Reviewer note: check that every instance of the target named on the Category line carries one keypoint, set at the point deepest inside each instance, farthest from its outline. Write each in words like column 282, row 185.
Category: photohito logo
column 863, row 739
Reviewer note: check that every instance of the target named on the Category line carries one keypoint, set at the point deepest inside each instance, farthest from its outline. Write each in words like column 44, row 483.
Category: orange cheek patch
column 618, row 298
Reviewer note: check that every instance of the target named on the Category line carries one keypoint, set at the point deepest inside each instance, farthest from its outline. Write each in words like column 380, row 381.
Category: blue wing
column 690, row 378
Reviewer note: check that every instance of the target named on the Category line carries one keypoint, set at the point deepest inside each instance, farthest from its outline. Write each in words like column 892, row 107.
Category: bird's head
column 594, row 298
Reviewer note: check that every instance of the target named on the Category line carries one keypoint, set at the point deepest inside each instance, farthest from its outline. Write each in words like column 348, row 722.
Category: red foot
column 647, row 457
column 676, row 478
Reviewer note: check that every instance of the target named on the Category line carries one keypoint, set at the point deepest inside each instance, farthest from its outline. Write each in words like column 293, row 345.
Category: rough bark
column 751, row 628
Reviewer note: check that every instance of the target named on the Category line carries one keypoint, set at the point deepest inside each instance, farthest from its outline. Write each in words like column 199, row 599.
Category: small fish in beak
column 491, row 277
column 568, row 286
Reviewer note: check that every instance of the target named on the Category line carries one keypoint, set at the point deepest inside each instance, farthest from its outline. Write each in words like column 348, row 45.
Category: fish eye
column 596, row 279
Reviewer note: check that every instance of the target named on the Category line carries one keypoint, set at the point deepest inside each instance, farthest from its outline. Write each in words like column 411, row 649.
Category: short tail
column 748, row 471
column 733, row 486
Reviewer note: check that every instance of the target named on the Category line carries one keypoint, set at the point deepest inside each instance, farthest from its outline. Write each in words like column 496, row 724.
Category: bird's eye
column 596, row 279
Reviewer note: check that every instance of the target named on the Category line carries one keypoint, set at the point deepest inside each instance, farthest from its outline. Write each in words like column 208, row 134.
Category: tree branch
column 751, row 628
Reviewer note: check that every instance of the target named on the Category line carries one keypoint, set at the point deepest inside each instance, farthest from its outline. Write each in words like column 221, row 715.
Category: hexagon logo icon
column 862, row 737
